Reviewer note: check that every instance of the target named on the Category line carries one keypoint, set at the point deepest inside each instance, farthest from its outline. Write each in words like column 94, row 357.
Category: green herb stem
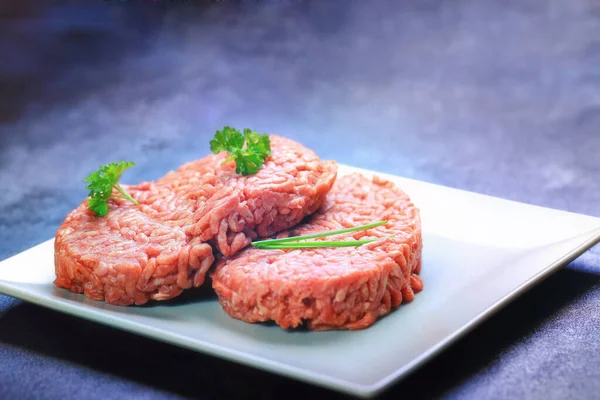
column 125, row 194
column 315, row 244
column 228, row 159
column 317, row 235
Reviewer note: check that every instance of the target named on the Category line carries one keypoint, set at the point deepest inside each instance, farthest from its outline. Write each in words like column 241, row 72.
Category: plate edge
column 593, row 238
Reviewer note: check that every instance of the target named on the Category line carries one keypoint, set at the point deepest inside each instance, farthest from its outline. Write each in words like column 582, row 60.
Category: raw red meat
column 331, row 288
column 163, row 246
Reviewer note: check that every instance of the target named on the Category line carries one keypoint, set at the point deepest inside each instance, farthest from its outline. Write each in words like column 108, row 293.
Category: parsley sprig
column 101, row 184
column 249, row 158
column 300, row 242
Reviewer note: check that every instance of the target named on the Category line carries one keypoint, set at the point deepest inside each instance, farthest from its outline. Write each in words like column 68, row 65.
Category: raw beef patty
column 331, row 288
column 163, row 246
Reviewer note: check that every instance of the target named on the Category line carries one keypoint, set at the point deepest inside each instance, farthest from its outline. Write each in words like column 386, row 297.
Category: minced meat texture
column 163, row 246
column 331, row 288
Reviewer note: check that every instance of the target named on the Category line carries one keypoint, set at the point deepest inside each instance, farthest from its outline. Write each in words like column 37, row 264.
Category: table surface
column 501, row 98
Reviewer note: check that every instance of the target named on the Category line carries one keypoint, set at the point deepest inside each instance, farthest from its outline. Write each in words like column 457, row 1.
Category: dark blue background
column 501, row 98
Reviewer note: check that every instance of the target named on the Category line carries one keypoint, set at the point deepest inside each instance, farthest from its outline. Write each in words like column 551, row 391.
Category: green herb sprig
column 299, row 242
column 249, row 158
column 101, row 184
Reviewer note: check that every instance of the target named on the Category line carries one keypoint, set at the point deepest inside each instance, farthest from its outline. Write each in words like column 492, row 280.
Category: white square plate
column 479, row 253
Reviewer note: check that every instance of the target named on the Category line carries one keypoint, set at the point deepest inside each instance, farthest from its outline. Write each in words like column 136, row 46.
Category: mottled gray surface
column 501, row 98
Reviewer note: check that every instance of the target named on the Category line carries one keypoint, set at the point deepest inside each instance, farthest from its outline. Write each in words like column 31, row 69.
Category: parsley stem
column 230, row 158
column 124, row 193
column 317, row 235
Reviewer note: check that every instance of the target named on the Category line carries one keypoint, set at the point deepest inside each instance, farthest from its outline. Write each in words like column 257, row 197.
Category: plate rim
column 584, row 242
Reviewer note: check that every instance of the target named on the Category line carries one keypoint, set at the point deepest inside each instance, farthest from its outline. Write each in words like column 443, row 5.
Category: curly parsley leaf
column 98, row 206
column 101, row 184
column 257, row 143
column 249, row 158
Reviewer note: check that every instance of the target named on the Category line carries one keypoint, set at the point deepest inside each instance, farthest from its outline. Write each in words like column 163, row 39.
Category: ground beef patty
column 163, row 246
column 331, row 288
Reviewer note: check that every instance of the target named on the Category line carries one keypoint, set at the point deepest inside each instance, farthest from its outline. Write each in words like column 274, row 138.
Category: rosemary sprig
column 297, row 242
